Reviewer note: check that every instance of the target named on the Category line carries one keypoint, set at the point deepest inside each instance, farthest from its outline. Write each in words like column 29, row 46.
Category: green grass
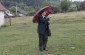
column 68, row 38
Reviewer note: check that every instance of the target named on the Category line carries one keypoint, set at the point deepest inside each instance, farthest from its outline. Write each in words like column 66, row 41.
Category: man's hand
column 48, row 18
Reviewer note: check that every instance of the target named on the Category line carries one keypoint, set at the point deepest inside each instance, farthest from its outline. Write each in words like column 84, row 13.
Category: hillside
column 68, row 36
column 9, row 3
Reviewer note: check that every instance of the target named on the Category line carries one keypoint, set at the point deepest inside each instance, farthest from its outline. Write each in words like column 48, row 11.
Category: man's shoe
column 41, row 50
column 45, row 49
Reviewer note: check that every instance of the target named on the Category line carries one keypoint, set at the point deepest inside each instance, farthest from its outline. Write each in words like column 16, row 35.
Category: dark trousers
column 42, row 41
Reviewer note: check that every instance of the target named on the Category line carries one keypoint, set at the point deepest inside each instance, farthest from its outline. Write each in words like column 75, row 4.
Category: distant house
column 73, row 7
column 2, row 9
column 21, row 12
column 17, row 12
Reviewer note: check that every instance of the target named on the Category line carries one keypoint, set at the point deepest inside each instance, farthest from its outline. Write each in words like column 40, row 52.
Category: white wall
column 1, row 18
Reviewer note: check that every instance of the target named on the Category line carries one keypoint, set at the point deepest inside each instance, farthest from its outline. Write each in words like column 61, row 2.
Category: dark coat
column 43, row 25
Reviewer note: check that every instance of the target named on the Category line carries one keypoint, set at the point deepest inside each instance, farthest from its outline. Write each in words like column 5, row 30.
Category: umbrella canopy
column 48, row 10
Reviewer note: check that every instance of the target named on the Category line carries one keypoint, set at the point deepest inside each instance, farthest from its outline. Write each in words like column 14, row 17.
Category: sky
column 78, row 0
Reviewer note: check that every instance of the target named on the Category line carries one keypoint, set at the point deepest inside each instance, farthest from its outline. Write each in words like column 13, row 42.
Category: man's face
column 44, row 13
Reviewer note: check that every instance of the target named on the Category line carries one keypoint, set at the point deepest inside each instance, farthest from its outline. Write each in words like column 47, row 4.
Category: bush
column 82, row 5
column 64, row 5
column 72, row 9
column 45, row 3
column 13, row 8
column 56, row 9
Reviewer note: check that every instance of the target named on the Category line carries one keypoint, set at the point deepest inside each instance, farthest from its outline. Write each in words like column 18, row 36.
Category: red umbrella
column 38, row 13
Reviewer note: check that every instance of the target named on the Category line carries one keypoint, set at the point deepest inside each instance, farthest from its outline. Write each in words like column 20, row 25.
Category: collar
column 43, row 16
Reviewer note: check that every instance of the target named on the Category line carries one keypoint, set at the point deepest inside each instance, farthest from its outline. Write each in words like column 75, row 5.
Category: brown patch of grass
column 57, row 16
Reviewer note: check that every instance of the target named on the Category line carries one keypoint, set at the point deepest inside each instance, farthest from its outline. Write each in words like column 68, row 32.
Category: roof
column 22, row 11
column 2, row 8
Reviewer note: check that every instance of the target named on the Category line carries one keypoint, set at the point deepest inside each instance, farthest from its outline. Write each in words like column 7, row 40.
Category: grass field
column 68, row 36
